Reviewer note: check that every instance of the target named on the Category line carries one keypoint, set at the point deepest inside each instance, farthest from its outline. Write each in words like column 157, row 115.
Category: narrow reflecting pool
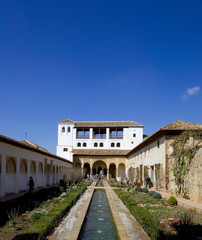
column 98, row 222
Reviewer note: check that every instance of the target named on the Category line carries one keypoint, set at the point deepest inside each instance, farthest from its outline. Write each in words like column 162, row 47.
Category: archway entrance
column 112, row 170
column 86, row 170
column 98, row 166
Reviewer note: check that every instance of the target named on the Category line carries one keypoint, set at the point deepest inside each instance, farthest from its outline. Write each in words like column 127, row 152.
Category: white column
column 3, row 175
column 107, row 133
column 17, row 175
column 37, row 167
column 91, row 133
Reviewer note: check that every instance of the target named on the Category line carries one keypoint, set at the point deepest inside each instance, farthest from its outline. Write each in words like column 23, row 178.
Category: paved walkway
column 128, row 228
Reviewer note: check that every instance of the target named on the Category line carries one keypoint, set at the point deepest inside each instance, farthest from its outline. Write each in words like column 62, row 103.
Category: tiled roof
column 103, row 123
column 103, row 152
column 172, row 128
column 66, row 121
column 30, row 146
column 33, row 145
column 180, row 125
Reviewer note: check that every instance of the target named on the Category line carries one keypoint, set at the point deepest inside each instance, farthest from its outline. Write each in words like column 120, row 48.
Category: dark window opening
column 118, row 144
column 134, row 135
column 101, row 144
column 65, row 149
column 116, row 133
column 84, row 144
column 99, row 133
column 63, row 129
column 158, row 143
column 83, row 133
column 78, row 144
column 112, row 145
column 95, row 144
column 69, row 129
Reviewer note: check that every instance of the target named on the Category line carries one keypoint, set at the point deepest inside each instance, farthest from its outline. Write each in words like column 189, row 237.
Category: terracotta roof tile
column 103, row 123
column 103, row 152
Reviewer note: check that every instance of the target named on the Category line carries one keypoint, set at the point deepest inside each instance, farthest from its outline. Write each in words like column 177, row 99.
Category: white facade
column 18, row 162
column 102, row 135
column 147, row 159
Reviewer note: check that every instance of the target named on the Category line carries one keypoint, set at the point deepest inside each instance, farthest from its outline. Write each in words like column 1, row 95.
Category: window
column 101, row 144
column 118, row 144
column 95, row 144
column 65, row 149
column 116, row 133
column 134, row 134
column 99, row 133
column 158, row 143
column 78, row 144
column 83, row 133
column 69, row 129
column 112, row 145
column 63, row 129
column 84, row 144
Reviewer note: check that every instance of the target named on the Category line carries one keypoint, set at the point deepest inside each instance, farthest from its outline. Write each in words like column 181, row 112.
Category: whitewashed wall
column 18, row 164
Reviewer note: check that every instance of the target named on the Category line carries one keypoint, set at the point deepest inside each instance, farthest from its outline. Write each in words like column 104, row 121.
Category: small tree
column 185, row 148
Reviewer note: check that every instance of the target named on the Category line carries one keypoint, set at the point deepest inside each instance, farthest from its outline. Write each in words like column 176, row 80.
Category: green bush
column 38, row 213
column 172, row 200
column 45, row 224
column 138, row 189
column 156, row 195
column 151, row 193
column 149, row 223
column 145, row 190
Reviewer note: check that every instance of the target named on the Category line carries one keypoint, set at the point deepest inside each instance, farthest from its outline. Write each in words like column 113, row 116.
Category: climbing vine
column 185, row 148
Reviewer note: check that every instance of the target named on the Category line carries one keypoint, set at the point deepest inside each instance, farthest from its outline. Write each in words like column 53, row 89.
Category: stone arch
column 86, row 169
column 112, row 170
column 23, row 175
column 121, row 171
column 10, row 175
column 100, row 165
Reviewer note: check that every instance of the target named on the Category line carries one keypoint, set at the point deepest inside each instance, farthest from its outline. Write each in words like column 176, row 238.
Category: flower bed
column 36, row 224
column 159, row 219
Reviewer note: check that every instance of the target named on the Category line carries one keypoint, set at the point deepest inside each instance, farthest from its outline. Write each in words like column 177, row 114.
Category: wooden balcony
column 82, row 136
column 116, row 136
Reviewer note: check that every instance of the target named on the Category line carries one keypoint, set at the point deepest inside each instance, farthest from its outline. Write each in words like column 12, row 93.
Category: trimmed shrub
column 172, row 200
column 138, row 189
column 145, row 190
column 157, row 195
column 151, row 193
column 149, row 223
column 38, row 213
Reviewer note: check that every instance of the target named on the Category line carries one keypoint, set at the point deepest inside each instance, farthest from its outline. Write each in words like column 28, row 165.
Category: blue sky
column 98, row 61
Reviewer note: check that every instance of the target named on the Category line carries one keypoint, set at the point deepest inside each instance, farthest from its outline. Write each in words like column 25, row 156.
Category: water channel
column 98, row 223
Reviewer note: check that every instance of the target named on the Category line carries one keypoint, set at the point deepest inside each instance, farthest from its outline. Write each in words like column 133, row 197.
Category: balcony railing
column 82, row 136
column 116, row 136
column 99, row 136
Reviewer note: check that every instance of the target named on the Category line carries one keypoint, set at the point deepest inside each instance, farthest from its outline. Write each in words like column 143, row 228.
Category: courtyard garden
column 41, row 216
column 160, row 218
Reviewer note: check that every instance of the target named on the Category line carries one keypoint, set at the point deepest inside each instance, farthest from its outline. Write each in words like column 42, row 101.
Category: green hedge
column 41, row 228
column 148, row 222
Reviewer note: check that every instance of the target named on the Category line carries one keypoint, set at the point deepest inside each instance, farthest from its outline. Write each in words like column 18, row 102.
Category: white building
column 20, row 160
column 97, row 135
